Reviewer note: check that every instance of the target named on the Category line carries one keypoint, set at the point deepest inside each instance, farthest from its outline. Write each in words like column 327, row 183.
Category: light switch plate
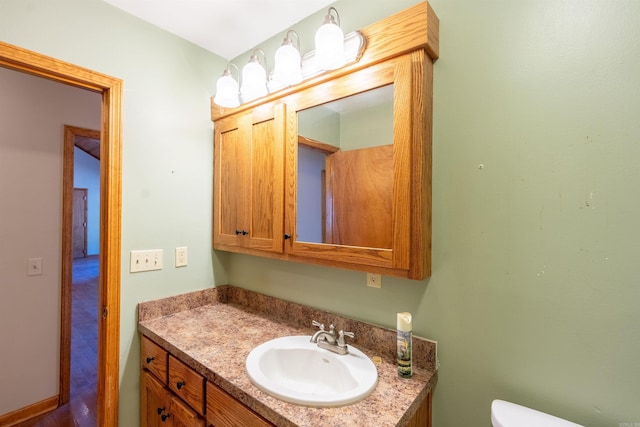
column 145, row 260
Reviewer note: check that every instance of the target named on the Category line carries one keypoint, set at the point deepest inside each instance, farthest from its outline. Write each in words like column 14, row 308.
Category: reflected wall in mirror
column 345, row 171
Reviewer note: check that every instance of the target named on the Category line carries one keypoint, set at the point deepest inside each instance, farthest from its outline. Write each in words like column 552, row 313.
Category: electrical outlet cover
column 181, row 256
column 374, row 280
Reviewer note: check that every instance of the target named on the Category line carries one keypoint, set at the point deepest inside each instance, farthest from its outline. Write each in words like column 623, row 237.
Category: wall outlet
column 181, row 256
column 145, row 260
column 374, row 280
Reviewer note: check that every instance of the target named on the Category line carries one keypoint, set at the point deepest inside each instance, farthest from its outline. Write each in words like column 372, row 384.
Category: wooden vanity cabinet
column 159, row 401
column 248, row 181
column 174, row 395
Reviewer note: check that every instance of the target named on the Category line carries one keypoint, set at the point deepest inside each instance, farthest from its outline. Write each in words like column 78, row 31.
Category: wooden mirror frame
column 396, row 71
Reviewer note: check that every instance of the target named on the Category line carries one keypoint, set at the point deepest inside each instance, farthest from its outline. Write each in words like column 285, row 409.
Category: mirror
column 345, row 171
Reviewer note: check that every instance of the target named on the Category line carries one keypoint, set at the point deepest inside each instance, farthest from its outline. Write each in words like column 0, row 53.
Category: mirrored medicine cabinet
column 345, row 171
column 337, row 170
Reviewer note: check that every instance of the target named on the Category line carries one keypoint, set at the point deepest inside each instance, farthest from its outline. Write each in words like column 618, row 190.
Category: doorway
column 78, row 356
column 22, row 60
column 80, row 222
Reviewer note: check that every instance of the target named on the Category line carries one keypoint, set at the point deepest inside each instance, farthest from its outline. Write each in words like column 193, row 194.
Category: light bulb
column 254, row 81
column 287, row 68
column 329, row 53
column 227, row 91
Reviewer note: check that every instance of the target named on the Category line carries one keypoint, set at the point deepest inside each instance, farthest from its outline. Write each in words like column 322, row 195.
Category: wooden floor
column 81, row 409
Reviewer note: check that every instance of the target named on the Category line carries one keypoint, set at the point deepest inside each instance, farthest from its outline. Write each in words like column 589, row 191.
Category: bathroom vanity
column 193, row 352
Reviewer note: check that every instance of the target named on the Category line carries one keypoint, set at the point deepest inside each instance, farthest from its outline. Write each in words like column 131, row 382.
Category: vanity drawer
column 225, row 411
column 154, row 358
column 186, row 383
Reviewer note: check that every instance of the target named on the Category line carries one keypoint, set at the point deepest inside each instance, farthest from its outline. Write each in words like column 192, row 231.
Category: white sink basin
column 298, row 371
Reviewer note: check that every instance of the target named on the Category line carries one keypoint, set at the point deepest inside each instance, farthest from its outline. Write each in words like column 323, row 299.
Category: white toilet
column 506, row 414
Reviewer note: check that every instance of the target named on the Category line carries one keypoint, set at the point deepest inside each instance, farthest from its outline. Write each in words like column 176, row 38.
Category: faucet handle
column 318, row 325
column 341, row 335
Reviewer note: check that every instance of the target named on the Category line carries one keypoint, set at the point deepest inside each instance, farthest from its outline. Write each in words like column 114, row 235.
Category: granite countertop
column 214, row 330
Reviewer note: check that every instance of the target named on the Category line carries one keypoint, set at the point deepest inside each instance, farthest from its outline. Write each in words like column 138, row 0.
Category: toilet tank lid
column 507, row 414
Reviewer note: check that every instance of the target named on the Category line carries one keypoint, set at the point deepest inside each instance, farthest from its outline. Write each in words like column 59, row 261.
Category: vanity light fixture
column 291, row 69
column 330, row 43
column 227, row 89
column 254, row 78
column 288, row 63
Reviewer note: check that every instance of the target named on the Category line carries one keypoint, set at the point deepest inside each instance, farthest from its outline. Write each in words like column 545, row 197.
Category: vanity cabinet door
column 422, row 417
column 160, row 408
column 225, row 411
column 155, row 401
column 228, row 183
column 248, row 181
column 183, row 416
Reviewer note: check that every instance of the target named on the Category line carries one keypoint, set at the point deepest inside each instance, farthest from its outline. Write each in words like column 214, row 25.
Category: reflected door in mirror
column 359, row 197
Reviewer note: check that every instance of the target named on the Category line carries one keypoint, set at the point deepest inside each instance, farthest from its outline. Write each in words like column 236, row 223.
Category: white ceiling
column 227, row 28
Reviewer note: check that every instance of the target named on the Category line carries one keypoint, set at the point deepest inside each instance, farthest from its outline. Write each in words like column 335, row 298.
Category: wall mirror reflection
column 345, row 171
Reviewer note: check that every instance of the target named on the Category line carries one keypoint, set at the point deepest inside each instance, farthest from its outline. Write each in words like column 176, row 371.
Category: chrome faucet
column 328, row 341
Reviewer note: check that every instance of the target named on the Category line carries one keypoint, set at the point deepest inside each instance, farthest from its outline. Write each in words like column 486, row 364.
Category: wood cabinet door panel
column 183, row 416
column 225, row 411
column 228, row 189
column 155, row 401
column 262, row 172
column 249, row 181
column 266, row 181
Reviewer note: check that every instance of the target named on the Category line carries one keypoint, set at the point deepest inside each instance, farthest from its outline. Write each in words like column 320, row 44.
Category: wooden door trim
column 16, row 58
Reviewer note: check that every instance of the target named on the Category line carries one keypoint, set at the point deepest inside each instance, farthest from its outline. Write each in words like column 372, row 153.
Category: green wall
column 534, row 295
column 536, row 218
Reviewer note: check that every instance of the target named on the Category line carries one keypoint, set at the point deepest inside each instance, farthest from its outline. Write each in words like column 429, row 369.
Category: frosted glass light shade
column 329, row 47
column 254, row 81
column 287, row 68
column 227, row 92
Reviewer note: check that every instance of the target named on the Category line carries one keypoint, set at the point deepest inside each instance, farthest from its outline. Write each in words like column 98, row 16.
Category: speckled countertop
column 214, row 330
